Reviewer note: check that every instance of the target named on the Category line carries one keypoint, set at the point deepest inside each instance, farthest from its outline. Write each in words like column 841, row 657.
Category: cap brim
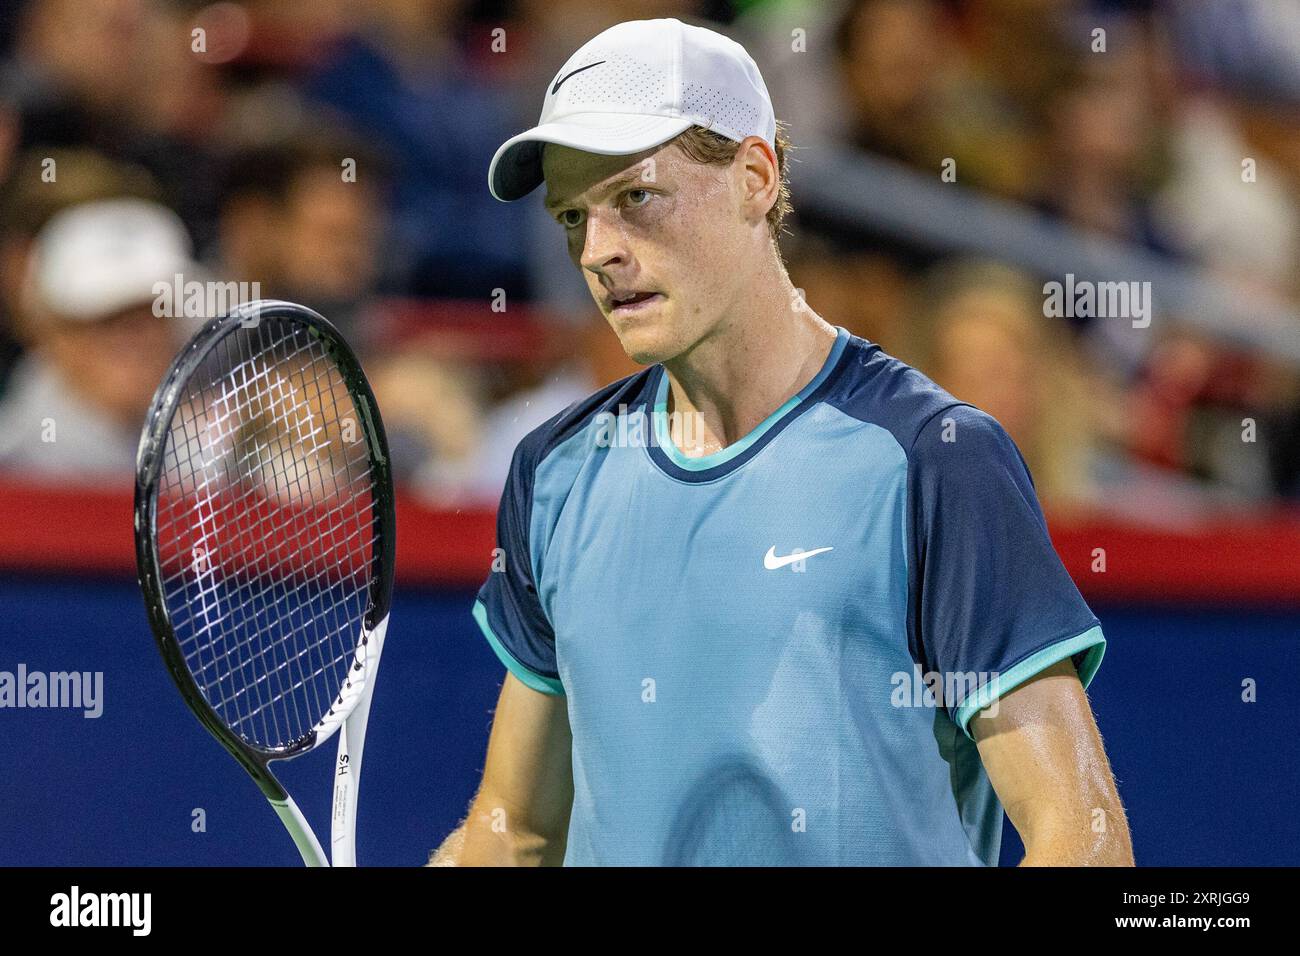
column 516, row 169
column 89, row 293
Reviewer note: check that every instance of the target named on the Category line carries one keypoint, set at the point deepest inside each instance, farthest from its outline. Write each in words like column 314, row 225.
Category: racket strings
column 266, row 530
column 308, row 661
column 212, row 622
column 278, row 400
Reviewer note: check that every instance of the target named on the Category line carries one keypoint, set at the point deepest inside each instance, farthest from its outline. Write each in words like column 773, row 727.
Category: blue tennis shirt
column 772, row 654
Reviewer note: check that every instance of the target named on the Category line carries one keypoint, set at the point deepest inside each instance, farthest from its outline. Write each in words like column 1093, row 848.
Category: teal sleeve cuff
column 529, row 678
column 1091, row 644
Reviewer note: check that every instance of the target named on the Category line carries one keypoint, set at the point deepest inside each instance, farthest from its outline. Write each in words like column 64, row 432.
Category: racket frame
column 150, row 457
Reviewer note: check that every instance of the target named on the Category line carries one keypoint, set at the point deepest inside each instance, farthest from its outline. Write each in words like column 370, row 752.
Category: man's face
column 115, row 363
column 330, row 239
column 658, row 224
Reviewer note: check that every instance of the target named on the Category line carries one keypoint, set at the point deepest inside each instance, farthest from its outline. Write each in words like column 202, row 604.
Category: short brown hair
column 28, row 201
column 714, row 149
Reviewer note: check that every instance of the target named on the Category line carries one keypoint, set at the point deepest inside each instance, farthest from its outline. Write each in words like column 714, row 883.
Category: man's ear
column 760, row 176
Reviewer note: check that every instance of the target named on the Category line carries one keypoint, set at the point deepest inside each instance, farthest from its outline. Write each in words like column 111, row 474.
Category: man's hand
column 1044, row 756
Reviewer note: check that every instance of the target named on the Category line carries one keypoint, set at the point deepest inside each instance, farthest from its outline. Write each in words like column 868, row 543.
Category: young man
column 728, row 584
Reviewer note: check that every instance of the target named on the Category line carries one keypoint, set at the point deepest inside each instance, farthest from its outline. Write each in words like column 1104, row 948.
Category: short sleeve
column 990, row 604
column 507, row 608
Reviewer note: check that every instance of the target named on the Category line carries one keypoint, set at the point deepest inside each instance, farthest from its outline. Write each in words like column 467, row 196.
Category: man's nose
column 603, row 245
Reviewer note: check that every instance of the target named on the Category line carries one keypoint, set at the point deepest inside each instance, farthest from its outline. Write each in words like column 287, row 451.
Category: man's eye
column 570, row 218
column 638, row 197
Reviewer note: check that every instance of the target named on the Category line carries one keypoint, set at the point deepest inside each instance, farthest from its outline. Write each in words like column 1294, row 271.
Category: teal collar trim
column 663, row 436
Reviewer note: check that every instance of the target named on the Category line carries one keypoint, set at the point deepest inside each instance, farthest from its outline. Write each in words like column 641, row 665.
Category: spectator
column 404, row 78
column 97, row 351
column 44, row 183
column 291, row 221
column 980, row 333
column 863, row 290
column 433, row 413
column 117, row 76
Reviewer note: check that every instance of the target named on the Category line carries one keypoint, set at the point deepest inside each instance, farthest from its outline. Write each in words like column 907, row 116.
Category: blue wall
column 1206, row 778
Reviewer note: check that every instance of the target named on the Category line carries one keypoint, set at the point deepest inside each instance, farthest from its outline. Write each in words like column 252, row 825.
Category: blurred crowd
column 334, row 153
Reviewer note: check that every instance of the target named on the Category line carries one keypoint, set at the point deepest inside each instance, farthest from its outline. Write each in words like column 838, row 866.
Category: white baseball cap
column 635, row 86
column 98, row 258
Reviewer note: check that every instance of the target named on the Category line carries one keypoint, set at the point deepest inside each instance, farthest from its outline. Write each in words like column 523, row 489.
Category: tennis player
column 777, row 598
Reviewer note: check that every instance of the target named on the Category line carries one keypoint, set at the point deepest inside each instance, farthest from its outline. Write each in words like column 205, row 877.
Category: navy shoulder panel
column 631, row 391
column 873, row 386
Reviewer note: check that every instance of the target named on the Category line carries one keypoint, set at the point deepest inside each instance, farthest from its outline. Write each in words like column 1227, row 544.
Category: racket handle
column 347, row 767
column 343, row 823
column 296, row 824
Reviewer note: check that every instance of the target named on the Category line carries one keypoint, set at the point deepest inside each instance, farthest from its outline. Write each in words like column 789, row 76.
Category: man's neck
column 756, row 358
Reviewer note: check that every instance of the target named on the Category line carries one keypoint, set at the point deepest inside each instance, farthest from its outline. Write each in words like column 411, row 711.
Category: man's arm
column 520, row 816
column 1044, row 757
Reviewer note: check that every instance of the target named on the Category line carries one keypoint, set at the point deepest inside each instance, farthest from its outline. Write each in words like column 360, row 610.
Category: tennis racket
column 264, row 534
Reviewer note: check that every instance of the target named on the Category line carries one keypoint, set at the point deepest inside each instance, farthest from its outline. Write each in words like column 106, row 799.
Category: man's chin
column 646, row 347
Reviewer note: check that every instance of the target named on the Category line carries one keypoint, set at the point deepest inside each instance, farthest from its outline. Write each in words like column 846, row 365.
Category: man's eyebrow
column 552, row 204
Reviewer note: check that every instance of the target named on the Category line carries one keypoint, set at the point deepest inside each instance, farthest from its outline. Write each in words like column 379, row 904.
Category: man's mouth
column 626, row 303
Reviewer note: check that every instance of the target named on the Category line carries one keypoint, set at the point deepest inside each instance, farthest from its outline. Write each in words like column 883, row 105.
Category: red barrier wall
column 1239, row 561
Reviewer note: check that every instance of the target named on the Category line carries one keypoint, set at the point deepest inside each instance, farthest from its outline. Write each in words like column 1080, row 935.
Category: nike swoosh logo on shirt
column 772, row 562
column 562, row 80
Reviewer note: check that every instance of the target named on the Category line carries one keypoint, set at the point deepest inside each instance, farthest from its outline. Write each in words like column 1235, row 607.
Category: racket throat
column 303, row 838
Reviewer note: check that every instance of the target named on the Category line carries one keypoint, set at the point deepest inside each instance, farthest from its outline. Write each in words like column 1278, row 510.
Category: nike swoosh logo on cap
column 562, row 80
column 772, row 562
